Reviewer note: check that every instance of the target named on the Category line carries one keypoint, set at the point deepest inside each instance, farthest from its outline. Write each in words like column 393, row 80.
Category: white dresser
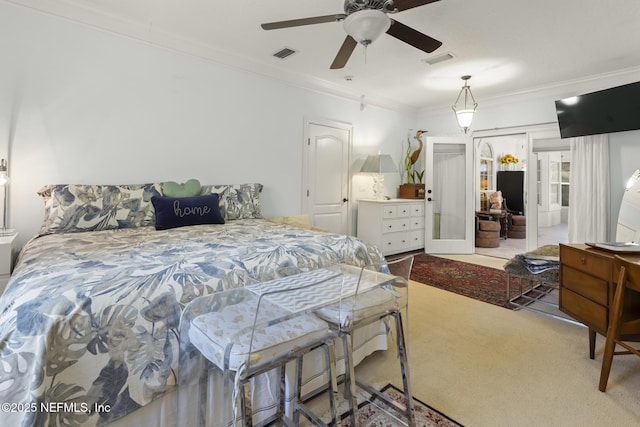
column 394, row 226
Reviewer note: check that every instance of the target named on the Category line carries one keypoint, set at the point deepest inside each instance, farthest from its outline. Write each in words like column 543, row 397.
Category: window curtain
column 589, row 193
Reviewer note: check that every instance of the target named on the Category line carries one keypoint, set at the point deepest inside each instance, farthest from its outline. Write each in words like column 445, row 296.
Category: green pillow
column 188, row 189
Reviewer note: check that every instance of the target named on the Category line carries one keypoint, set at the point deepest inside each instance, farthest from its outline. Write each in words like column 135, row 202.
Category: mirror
column 629, row 217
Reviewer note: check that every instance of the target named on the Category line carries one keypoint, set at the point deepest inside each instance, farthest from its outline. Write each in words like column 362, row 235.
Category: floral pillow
column 239, row 201
column 73, row 208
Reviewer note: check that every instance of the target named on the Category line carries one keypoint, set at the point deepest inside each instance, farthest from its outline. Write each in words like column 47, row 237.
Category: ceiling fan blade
column 304, row 21
column 344, row 53
column 410, row 4
column 413, row 37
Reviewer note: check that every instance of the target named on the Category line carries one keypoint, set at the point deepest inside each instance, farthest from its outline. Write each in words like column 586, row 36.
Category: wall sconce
column 4, row 183
column 376, row 165
column 466, row 109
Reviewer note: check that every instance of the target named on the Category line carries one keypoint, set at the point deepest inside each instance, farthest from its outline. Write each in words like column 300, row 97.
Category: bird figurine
column 416, row 154
column 412, row 158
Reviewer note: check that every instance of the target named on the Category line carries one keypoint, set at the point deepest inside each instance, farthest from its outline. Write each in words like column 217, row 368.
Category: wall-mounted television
column 611, row 110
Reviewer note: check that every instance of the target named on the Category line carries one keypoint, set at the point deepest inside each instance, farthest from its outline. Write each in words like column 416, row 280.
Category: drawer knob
column 583, row 261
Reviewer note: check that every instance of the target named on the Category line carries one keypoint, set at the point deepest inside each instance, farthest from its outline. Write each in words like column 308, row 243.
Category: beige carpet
column 483, row 365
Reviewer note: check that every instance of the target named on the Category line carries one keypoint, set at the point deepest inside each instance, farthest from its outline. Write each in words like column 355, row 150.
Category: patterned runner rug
column 370, row 415
column 474, row 281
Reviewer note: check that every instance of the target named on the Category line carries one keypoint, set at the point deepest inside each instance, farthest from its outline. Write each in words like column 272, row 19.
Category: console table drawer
column 586, row 285
column 584, row 310
column 589, row 263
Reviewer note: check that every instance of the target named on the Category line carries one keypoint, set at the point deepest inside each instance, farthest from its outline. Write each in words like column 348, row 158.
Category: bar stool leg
column 350, row 379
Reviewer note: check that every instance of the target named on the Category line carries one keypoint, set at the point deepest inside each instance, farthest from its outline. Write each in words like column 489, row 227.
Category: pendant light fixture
column 465, row 105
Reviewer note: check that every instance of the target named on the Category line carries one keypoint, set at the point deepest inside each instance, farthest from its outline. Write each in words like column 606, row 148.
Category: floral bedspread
column 89, row 321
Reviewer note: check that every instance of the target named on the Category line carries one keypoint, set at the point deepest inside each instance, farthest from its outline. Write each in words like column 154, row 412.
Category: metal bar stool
column 378, row 297
column 249, row 331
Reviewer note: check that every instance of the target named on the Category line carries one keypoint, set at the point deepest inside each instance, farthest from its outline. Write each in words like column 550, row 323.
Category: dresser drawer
column 416, row 223
column 584, row 261
column 389, row 211
column 394, row 225
column 413, row 209
column 404, row 210
column 586, row 285
column 416, row 209
column 583, row 309
column 395, row 242
column 416, row 238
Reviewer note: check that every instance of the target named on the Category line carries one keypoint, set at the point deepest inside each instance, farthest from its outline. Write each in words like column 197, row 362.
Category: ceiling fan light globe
column 366, row 26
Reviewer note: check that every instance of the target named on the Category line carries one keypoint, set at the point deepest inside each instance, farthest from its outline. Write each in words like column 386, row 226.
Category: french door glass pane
column 450, row 203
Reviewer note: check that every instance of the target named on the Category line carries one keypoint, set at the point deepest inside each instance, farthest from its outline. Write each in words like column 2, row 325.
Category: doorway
column 545, row 160
column 325, row 174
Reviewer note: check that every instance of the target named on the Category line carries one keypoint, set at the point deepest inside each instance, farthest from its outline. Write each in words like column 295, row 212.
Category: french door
column 449, row 204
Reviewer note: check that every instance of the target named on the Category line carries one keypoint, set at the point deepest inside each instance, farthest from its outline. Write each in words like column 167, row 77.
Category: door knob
column 345, row 200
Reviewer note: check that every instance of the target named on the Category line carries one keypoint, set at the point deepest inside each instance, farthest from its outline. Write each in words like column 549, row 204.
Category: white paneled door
column 449, row 208
column 325, row 197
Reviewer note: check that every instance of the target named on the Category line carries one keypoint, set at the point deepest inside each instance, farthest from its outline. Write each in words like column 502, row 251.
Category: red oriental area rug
column 474, row 281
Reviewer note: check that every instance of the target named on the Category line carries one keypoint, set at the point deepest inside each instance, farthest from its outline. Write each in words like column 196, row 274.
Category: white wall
column 80, row 105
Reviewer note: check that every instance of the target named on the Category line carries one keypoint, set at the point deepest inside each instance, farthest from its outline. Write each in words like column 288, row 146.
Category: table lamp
column 376, row 165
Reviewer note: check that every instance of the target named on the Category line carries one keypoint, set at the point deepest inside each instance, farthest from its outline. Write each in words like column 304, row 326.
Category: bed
column 90, row 318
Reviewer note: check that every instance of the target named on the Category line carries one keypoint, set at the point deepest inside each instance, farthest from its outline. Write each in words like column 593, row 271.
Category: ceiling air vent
column 433, row 60
column 284, row 53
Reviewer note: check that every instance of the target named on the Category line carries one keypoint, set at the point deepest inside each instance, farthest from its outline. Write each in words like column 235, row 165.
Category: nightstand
column 8, row 250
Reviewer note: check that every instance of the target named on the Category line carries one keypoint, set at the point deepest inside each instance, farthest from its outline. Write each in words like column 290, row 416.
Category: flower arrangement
column 508, row 159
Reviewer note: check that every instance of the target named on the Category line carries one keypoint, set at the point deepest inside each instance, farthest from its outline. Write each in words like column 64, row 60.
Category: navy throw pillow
column 172, row 212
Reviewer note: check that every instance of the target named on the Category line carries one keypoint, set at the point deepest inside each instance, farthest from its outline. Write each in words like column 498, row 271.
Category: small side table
column 8, row 251
column 502, row 217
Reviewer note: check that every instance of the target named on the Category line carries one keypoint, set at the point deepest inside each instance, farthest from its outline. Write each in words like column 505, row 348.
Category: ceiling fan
column 366, row 20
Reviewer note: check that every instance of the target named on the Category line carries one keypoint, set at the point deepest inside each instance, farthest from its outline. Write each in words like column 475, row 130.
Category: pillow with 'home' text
column 172, row 212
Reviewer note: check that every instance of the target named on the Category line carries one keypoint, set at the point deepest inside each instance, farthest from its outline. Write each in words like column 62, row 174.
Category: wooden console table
column 587, row 284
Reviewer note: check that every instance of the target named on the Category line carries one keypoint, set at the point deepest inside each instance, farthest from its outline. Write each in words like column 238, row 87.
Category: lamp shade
column 365, row 26
column 465, row 106
column 379, row 163
column 465, row 117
